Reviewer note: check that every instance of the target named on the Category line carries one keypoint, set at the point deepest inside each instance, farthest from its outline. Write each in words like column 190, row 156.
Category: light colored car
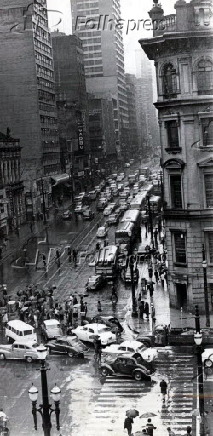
column 88, row 333
column 79, row 208
column 51, row 329
column 19, row 350
column 102, row 232
column 113, row 219
column 108, row 210
column 127, row 165
column 93, row 195
column 125, row 347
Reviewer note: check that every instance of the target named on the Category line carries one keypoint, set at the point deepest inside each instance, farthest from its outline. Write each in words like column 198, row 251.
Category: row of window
column 48, row 120
column 42, row 82
column 176, row 191
column 179, row 240
column 172, row 127
column 46, row 96
column 42, row 46
column 94, row 69
column 93, row 62
column 204, row 74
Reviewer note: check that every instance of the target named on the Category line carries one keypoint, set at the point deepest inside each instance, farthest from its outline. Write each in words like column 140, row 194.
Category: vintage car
column 125, row 347
column 67, row 345
column 126, row 365
column 89, row 332
column 96, row 282
column 50, row 329
column 24, row 350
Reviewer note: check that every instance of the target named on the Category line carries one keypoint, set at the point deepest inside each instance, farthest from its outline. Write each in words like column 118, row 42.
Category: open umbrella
column 132, row 413
column 148, row 415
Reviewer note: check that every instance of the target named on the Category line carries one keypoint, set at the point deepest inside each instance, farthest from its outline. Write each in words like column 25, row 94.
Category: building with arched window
column 182, row 50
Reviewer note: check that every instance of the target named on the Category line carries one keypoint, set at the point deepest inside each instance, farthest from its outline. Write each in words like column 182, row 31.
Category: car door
column 15, row 353
column 19, row 351
column 130, row 366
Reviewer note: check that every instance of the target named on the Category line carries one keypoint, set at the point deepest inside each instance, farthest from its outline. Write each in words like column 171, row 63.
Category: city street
column 87, row 405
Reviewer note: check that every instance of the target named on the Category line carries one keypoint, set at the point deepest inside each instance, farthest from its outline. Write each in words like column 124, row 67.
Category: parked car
column 79, row 208
column 93, row 194
column 102, row 204
column 88, row 214
column 107, row 211
column 67, row 215
column 127, row 165
column 126, row 365
column 89, row 332
column 113, row 219
column 23, row 350
column 102, row 232
column 96, row 282
column 148, row 354
column 67, row 345
column 50, row 329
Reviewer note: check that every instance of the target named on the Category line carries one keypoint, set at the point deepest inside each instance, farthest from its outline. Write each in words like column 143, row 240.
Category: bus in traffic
column 106, row 262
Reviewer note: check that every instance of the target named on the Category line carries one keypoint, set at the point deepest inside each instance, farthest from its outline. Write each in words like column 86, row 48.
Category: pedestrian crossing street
column 119, row 394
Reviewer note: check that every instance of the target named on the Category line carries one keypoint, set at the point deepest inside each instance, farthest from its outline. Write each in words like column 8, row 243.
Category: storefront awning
column 59, row 179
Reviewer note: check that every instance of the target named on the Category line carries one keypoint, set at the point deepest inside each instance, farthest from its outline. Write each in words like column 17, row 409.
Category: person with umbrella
column 128, row 424
column 150, row 427
column 170, row 432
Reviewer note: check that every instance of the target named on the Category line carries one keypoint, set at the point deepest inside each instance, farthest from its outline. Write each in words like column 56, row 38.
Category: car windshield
column 141, row 348
column 103, row 329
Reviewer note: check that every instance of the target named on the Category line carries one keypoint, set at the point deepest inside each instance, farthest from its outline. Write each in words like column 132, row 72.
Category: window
column 205, row 77
column 169, row 81
column 180, row 247
column 208, row 183
column 210, row 246
column 172, row 133
column 176, row 191
column 207, row 131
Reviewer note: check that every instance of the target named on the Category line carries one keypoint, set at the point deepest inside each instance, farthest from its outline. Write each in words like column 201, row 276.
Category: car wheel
column 104, row 372
column 29, row 359
column 138, row 375
column 71, row 354
column 2, row 356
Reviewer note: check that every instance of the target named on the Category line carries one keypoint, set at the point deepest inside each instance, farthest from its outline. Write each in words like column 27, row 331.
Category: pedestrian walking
column 146, row 310
column 69, row 253
column 156, row 275
column 44, row 260
column 163, row 387
column 82, row 303
column 75, row 300
column 128, row 425
column 162, row 278
column 141, row 309
column 170, row 432
column 85, row 309
column 189, row 430
column 150, row 427
column 150, row 271
column 99, row 306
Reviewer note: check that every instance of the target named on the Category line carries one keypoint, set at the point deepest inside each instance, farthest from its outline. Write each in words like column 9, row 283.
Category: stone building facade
column 12, row 202
column 182, row 50
column 28, row 94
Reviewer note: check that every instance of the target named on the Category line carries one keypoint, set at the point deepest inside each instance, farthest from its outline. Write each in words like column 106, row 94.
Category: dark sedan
column 67, row 345
column 126, row 365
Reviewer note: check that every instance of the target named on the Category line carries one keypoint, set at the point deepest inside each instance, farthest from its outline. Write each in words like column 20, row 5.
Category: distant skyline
column 134, row 10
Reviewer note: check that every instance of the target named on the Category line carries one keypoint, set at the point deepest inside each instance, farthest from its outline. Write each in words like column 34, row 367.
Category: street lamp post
column 134, row 305
column 199, row 350
column 45, row 408
column 204, row 264
column 150, row 221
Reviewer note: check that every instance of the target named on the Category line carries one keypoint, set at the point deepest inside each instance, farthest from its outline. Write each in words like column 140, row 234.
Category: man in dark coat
column 128, row 425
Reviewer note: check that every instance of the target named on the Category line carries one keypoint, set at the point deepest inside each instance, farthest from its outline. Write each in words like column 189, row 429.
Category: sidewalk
column 17, row 242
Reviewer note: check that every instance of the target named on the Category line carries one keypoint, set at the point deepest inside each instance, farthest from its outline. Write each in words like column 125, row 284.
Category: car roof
column 16, row 323
column 51, row 322
column 130, row 344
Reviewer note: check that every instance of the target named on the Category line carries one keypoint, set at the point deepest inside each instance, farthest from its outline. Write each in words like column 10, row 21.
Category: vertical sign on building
column 80, row 137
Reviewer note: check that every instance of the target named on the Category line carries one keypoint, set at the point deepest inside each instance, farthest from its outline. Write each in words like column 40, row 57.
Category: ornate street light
column 45, row 408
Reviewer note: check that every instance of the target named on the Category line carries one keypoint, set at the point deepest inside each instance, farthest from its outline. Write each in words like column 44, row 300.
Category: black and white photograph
column 106, row 217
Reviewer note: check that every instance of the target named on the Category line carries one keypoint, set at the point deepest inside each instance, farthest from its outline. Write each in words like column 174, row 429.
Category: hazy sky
column 130, row 10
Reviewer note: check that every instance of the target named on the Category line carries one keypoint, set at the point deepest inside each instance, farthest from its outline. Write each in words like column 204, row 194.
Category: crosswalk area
column 118, row 394
column 176, row 366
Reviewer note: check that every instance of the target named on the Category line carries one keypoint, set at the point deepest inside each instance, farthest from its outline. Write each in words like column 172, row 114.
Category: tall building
column 72, row 106
column 12, row 201
column 104, row 56
column 28, row 94
column 148, row 132
column 182, row 51
column 132, row 113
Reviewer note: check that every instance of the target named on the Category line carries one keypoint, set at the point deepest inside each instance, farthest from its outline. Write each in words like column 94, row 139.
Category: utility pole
column 134, row 305
column 150, row 221
column 43, row 200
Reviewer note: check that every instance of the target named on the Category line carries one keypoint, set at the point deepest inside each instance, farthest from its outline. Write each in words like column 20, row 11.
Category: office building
column 182, row 51
column 132, row 114
column 28, row 95
column 104, row 57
